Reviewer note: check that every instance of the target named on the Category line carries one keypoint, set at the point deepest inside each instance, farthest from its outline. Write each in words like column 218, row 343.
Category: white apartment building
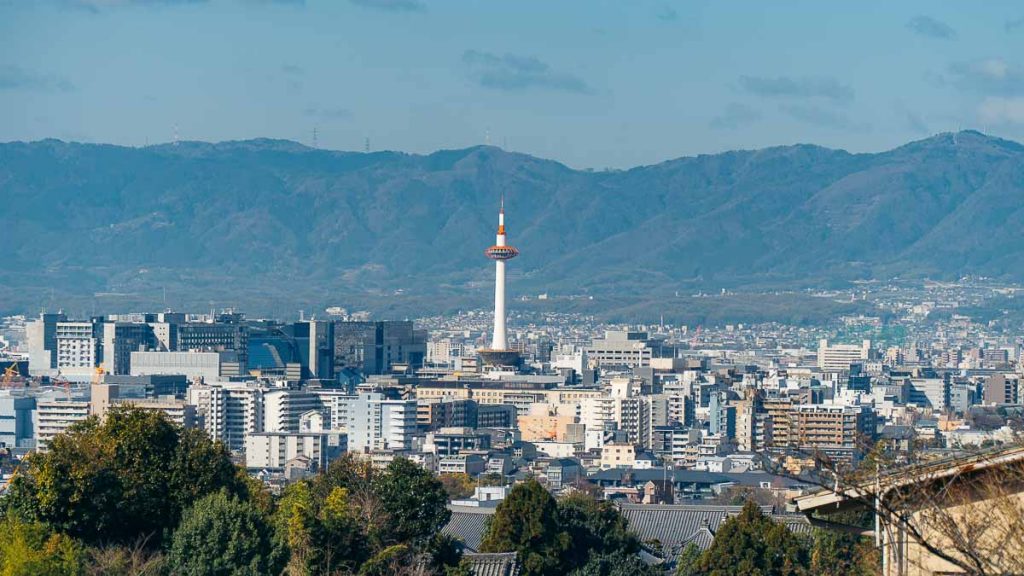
column 76, row 349
column 273, row 449
column 56, row 416
column 376, row 423
column 282, row 409
column 229, row 412
column 335, row 404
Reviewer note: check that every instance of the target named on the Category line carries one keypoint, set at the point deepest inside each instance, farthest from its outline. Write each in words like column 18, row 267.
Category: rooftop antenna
column 314, row 137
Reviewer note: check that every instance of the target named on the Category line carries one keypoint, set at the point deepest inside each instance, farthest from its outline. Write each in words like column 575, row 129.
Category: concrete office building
column 619, row 348
column 838, row 357
column 377, row 347
column 17, row 430
column 119, row 340
column 195, row 366
column 930, row 392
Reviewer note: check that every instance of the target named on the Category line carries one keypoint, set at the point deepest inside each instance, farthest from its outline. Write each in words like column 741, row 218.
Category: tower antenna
column 175, row 134
column 367, row 149
column 314, row 137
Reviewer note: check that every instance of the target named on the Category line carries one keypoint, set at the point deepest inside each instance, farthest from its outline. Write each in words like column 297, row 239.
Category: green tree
column 753, row 544
column 842, row 554
column 224, row 536
column 594, row 527
column 31, row 549
column 125, row 478
column 527, row 522
column 414, row 501
column 688, row 563
column 617, row 564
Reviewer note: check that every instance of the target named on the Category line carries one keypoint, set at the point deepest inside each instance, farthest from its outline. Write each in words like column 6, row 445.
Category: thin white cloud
column 1002, row 110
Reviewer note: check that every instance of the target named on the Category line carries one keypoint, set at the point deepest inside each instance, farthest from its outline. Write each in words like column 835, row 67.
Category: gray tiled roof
column 503, row 564
column 675, row 526
column 643, row 475
column 467, row 524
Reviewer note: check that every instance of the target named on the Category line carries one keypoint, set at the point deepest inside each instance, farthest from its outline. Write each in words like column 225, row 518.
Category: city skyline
column 592, row 85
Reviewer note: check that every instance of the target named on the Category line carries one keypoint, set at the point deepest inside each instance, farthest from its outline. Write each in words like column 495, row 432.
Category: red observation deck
column 501, row 252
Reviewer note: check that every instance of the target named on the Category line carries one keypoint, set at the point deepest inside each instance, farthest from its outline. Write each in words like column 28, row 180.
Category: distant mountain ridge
column 278, row 219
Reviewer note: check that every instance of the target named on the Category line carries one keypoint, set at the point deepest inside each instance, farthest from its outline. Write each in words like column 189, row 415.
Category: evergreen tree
column 617, row 564
column 224, row 536
column 688, row 563
column 594, row 527
column 414, row 501
column 753, row 544
column 842, row 554
column 527, row 522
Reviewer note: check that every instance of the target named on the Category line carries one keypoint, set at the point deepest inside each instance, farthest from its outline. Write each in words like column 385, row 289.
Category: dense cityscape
column 676, row 425
column 531, row 288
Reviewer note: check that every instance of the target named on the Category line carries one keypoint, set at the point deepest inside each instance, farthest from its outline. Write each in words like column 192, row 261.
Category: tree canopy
column 126, row 477
column 224, row 536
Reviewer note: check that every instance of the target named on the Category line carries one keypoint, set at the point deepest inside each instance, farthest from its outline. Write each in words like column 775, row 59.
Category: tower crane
column 10, row 373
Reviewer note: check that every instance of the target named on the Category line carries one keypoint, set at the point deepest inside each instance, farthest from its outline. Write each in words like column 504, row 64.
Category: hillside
column 269, row 224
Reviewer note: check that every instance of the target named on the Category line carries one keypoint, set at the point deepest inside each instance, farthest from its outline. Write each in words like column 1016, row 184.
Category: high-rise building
column 378, row 347
column 229, row 333
column 376, row 423
column 41, row 335
column 499, row 353
column 229, row 412
column 119, row 340
column 77, row 348
column 282, row 409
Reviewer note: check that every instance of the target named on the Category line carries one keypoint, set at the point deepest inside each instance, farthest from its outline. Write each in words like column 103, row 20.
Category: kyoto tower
column 499, row 354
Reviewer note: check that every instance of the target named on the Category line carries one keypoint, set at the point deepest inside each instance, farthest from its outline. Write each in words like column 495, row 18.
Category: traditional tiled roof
column 674, row 526
column 640, row 476
column 502, row 564
column 467, row 525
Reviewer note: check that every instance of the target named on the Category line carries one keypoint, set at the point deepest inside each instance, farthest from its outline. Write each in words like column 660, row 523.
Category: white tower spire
column 500, row 252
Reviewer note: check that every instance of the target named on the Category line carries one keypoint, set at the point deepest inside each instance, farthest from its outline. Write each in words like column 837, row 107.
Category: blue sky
column 593, row 84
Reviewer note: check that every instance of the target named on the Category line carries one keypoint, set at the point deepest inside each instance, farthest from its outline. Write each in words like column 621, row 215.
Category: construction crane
column 10, row 374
